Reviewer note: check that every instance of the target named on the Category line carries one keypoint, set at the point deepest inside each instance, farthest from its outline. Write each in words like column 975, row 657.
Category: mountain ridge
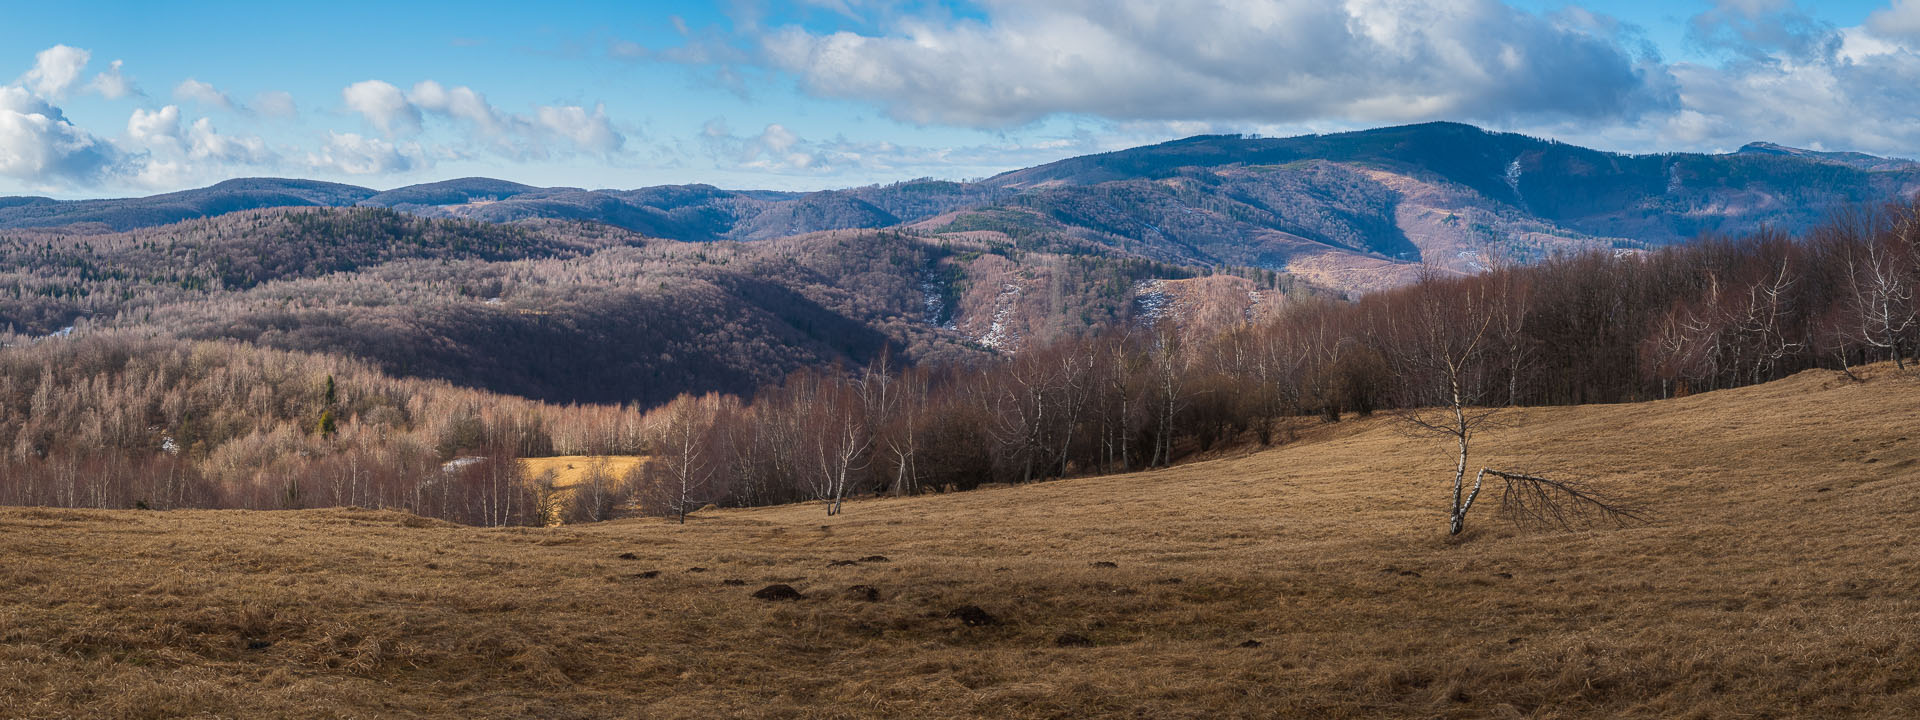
column 1357, row 210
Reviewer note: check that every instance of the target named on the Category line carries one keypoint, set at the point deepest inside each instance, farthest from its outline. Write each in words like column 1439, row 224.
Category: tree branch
column 1564, row 504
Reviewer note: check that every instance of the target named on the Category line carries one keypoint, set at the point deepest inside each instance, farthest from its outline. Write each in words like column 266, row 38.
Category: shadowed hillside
column 1315, row 580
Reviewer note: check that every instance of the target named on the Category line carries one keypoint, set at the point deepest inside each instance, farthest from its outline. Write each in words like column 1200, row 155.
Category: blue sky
column 132, row 98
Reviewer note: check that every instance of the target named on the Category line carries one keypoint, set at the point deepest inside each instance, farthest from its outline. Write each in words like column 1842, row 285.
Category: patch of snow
column 1513, row 176
column 1150, row 296
column 456, row 464
column 933, row 298
column 998, row 335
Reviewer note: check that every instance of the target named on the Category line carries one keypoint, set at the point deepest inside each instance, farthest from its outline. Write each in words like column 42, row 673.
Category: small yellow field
column 569, row 469
column 1780, row 578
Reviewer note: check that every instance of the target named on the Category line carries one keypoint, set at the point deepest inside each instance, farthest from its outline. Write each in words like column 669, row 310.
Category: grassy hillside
column 1778, row 579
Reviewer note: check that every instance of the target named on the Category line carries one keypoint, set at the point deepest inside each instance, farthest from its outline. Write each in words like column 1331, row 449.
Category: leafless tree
column 680, row 475
column 1880, row 297
column 599, row 494
column 1447, row 342
column 839, row 435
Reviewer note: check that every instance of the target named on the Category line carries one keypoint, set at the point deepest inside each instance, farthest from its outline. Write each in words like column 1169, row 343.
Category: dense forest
column 136, row 417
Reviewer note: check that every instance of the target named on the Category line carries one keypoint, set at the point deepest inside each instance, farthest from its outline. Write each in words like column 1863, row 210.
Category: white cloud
column 352, row 154
column 588, row 131
column 547, row 130
column 1899, row 20
column 113, row 84
column 40, row 146
column 778, row 150
column 55, row 70
column 173, row 156
column 276, row 104
column 462, row 103
column 1250, row 60
column 146, row 128
column 191, row 90
column 384, row 106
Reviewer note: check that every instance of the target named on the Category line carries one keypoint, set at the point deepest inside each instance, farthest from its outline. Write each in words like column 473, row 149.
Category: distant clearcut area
column 1778, row 580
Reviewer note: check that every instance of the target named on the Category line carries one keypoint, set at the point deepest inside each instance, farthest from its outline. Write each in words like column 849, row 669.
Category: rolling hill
column 1775, row 579
column 1352, row 211
column 566, row 311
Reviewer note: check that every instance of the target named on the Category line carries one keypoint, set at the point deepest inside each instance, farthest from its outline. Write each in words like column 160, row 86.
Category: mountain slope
column 1312, row 580
column 1355, row 211
column 564, row 311
column 1455, row 197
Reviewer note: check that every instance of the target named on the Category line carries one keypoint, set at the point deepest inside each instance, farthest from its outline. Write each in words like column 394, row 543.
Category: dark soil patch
column 777, row 592
column 973, row 616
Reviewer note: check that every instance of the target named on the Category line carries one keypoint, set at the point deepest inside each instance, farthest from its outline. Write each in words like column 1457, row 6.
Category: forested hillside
column 1355, row 211
column 892, row 398
column 566, row 311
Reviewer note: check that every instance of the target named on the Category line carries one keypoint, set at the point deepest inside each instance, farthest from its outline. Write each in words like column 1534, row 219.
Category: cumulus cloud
column 540, row 134
column 1899, row 20
column 588, row 131
column 384, row 106
column 55, row 71
column 1790, row 78
column 191, row 90
column 353, row 154
column 161, row 130
column 1254, row 60
column 775, row 149
column 174, row 154
column 461, row 103
column 40, row 146
column 112, row 83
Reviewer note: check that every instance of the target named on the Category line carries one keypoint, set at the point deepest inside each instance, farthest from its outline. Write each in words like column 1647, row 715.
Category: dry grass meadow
column 1781, row 579
column 569, row 470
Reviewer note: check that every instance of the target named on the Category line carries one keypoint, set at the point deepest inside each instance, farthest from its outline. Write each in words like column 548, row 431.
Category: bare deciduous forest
column 310, row 386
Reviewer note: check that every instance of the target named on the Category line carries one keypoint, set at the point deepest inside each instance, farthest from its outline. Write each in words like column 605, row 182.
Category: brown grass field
column 570, row 469
column 1781, row 579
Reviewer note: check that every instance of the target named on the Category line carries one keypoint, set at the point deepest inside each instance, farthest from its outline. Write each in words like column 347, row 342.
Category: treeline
column 112, row 420
column 1594, row 328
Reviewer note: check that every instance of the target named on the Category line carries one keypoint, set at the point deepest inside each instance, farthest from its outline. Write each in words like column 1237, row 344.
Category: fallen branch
column 1565, row 504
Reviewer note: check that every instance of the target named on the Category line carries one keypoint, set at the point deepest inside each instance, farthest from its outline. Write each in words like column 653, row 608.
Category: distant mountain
column 1862, row 161
column 127, row 214
column 1354, row 211
column 1349, row 209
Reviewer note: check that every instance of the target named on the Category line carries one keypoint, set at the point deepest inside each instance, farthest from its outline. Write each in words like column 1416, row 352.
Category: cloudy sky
column 132, row 98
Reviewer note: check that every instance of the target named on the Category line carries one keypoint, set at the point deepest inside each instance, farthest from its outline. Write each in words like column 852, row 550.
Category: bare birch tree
column 1880, row 298
column 1448, row 340
column 680, row 475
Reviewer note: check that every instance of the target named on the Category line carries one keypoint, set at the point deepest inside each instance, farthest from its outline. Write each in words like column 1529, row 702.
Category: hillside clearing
column 569, row 470
column 1781, row 579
